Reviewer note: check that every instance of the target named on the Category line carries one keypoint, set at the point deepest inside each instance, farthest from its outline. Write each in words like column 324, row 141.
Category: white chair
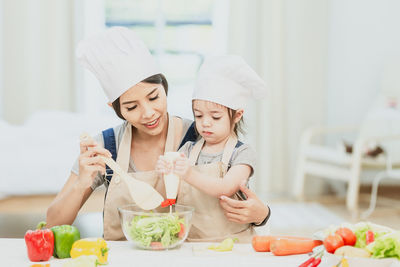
column 381, row 126
column 391, row 173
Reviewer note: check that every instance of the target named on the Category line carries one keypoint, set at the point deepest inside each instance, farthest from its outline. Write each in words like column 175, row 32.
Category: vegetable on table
column 333, row 242
column 369, row 237
column 64, row 237
column 90, row 246
column 350, row 251
column 287, row 246
column 360, row 230
column 348, row 236
column 225, row 245
column 83, row 261
column 386, row 246
column 262, row 243
column 39, row 243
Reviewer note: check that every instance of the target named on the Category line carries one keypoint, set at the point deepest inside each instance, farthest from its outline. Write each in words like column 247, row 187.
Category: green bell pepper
column 64, row 237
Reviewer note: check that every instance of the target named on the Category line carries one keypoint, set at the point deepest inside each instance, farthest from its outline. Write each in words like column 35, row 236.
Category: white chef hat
column 118, row 58
column 229, row 81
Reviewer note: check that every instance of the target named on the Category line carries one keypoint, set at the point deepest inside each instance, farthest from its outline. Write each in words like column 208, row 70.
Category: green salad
column 361, row 229
column 386, row 246
column 156, row 231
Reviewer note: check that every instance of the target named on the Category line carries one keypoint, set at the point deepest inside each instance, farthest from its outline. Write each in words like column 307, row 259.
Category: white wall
column 1, row 57
column 37, row 42
column 363, row 36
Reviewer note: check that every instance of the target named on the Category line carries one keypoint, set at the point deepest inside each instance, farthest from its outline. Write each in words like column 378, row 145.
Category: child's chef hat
column 229, row 81
column 118, row 58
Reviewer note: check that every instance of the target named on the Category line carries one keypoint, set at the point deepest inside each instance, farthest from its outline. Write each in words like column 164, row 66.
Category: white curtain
column 37, row 57
column 286, row 43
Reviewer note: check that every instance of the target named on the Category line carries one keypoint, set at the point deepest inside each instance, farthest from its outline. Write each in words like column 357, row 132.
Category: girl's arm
column 210, row 185
column 217, row 187
column 76, row 191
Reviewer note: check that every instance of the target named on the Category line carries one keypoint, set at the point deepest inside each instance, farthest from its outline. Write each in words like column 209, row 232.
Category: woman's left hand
column 252, row 210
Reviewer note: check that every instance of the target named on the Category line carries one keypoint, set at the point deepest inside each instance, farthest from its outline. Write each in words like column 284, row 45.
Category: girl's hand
column 252, row 210
column 90, row 163
column 182, row 166
column 163, row 166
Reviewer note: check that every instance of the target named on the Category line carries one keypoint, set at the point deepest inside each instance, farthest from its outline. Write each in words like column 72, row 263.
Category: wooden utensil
column 144, row 195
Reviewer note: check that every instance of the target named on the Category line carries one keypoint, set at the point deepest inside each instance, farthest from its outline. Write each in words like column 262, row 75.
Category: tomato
column 181, row 233
column 349, row 238
column 369, row 237
column 333, row 242
column 156, row 245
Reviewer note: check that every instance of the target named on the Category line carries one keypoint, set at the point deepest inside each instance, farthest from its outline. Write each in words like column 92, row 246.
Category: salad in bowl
column 157, row 229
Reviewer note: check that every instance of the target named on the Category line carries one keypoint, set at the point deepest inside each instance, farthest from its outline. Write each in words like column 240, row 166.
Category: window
column 179, row 34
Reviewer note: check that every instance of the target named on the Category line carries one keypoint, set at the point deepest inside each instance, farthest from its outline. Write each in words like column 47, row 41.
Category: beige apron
column 209, row 223
column 117, row 193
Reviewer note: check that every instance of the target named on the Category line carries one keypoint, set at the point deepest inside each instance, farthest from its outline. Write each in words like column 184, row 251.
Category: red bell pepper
column 39, row 243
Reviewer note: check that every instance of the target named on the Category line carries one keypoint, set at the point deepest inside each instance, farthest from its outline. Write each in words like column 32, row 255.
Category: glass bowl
column 157, row 229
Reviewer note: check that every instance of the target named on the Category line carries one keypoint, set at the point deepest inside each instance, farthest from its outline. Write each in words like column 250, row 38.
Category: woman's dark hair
column 155, row 79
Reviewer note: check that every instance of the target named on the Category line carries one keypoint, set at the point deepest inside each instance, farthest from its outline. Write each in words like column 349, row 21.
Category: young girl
column 218, row 163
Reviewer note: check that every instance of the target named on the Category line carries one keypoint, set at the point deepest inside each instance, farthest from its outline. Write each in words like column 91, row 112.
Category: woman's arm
column 76, row 191
column 68, row 202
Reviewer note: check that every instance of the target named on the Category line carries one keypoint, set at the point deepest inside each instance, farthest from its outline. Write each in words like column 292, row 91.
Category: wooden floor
column 18, row 214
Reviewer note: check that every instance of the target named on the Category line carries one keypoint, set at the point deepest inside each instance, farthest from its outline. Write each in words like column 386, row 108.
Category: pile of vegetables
column 63, row 241
column 363, row 240
column 156, row 232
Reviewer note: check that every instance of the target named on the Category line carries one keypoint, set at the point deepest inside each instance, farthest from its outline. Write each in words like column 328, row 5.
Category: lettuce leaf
column 386, row 246
column 148, row 229
column 361, row 229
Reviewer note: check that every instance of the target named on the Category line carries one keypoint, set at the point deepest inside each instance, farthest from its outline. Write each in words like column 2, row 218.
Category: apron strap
column 124, row 150
column 228, row 150
column 194, row 154
column 226, row 156
column 110, row 145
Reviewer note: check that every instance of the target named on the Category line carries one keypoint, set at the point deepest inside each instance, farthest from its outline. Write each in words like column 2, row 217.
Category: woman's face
column 145, row 107
column 212, row 121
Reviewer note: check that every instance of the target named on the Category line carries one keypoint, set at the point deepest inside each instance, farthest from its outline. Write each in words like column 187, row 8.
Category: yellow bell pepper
column 225, row 245
column 90, row 246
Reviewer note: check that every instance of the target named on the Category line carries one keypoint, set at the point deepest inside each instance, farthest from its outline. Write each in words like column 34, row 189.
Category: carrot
column 261, row 243
column 289, row 246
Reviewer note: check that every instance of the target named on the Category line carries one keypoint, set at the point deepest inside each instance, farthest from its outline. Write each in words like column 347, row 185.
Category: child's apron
column 118, row 194
column 209, row 223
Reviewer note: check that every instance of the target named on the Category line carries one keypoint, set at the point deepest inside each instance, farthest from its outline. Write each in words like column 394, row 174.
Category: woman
column 137, row 92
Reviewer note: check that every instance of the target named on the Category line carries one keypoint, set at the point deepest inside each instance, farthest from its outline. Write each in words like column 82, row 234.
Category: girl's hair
column 237, row 127
column 155, row 79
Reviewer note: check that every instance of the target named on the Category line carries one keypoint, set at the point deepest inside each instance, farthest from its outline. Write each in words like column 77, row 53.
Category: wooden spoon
column 144, row 195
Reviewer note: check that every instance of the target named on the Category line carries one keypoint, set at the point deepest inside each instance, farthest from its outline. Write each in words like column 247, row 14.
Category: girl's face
column 145, row 107
column 212, row 121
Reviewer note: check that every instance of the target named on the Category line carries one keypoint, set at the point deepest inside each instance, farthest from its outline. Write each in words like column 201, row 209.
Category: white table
column 122, row 253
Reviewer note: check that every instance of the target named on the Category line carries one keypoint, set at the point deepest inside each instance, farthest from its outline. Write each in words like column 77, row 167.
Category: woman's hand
column 252, row 210
column 90, row 163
